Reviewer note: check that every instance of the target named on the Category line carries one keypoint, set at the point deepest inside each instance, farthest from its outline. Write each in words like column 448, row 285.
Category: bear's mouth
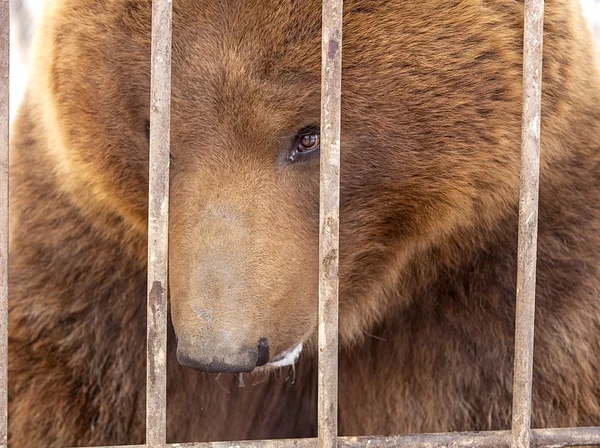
column 287, row 358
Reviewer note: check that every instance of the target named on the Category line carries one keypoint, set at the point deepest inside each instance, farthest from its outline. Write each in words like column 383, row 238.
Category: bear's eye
column 309, row 142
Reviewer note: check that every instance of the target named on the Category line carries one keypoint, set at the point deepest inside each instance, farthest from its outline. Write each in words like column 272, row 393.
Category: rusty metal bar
column 528, row 222
column 331, row 87
column 4, row 129
column 541, row 438
column 158, row 224
column 557, row 437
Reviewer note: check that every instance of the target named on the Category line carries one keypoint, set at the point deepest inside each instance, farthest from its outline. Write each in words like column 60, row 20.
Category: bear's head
column 430, row 152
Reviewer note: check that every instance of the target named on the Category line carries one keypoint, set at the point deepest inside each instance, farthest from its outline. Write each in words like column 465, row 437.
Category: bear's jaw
column 287, row 358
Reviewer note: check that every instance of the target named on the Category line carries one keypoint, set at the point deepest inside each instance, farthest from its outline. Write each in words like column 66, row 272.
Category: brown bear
column 431, row 121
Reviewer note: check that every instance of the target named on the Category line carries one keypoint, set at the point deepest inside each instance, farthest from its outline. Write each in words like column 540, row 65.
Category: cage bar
column 331, row 84
column 528, row 222
column 4, row 129
column 541, row 438
column 158, row 224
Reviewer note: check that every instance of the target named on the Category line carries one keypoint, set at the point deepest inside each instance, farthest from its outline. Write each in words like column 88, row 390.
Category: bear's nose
column 236, row 360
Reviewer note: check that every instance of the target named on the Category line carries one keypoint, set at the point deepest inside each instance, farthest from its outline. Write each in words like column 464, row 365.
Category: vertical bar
column 158, row 223
column 331, row 88
column 4, row 124
column 528, row 222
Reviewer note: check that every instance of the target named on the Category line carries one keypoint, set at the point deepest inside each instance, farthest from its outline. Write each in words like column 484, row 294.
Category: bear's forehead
column 281, row 39
column 259, row 61
column 252, row 38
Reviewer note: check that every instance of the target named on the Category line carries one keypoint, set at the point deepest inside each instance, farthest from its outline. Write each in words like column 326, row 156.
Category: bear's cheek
column 243, row 265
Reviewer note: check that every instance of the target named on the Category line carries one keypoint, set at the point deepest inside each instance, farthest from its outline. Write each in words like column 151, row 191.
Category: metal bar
column 331, row 85
column 557, row 437
column 158, row 224
column 4, row 131
column 528, row 222
column 541, row 438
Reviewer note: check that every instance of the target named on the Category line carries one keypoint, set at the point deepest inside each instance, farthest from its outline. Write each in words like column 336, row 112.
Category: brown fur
column 430, row 162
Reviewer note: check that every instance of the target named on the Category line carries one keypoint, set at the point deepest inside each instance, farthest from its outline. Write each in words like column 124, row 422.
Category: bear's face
column 430, row 132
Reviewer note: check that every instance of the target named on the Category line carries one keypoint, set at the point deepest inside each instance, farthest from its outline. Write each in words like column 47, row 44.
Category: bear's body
column 430, row 163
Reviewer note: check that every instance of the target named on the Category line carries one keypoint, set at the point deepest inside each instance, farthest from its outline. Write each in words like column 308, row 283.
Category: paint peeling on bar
column 528, row 222
column 331, row 80
column 4, row 129
column 541, row 438
column 158, row 224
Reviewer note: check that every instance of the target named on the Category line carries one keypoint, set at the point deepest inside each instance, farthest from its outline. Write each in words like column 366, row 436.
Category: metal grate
column 528, row 222
column 329, row 242
column 158, row 224
column 4, row 124
column 521, row 434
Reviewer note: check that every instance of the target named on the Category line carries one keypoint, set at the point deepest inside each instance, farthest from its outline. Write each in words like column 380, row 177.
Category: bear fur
column 431, row 122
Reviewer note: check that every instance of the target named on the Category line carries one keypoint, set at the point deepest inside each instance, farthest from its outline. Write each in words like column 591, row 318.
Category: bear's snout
column 220, row 358
column 233, row 277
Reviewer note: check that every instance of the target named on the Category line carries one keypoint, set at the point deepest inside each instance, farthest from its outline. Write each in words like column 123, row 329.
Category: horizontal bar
column 528, row 221
column 541, row 438
column 4, row 130
column 331, row 85
column 158, row 224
